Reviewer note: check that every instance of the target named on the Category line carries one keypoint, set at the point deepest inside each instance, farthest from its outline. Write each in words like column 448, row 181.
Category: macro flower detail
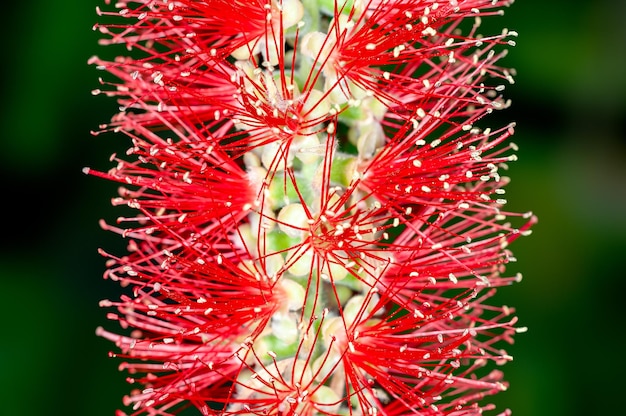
column 318, row 222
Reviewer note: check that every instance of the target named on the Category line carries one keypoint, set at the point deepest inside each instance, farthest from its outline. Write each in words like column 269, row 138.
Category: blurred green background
column 570, row 105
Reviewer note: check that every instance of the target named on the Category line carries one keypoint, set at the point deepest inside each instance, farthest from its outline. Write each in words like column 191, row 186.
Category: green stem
column 311, row 15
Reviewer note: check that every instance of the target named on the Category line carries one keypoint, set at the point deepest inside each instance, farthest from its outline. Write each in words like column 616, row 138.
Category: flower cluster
column 317, row 216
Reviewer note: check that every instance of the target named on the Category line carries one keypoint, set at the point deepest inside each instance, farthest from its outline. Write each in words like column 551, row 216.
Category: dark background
column 570, row 105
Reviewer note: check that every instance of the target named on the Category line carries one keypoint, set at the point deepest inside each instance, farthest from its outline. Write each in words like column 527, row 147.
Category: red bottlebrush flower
column 319, row 216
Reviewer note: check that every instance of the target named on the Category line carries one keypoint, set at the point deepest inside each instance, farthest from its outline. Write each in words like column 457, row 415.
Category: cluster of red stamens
column 320, row 218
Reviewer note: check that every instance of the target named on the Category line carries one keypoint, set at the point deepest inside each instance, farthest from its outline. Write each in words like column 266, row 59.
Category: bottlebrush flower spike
column 319, row 216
